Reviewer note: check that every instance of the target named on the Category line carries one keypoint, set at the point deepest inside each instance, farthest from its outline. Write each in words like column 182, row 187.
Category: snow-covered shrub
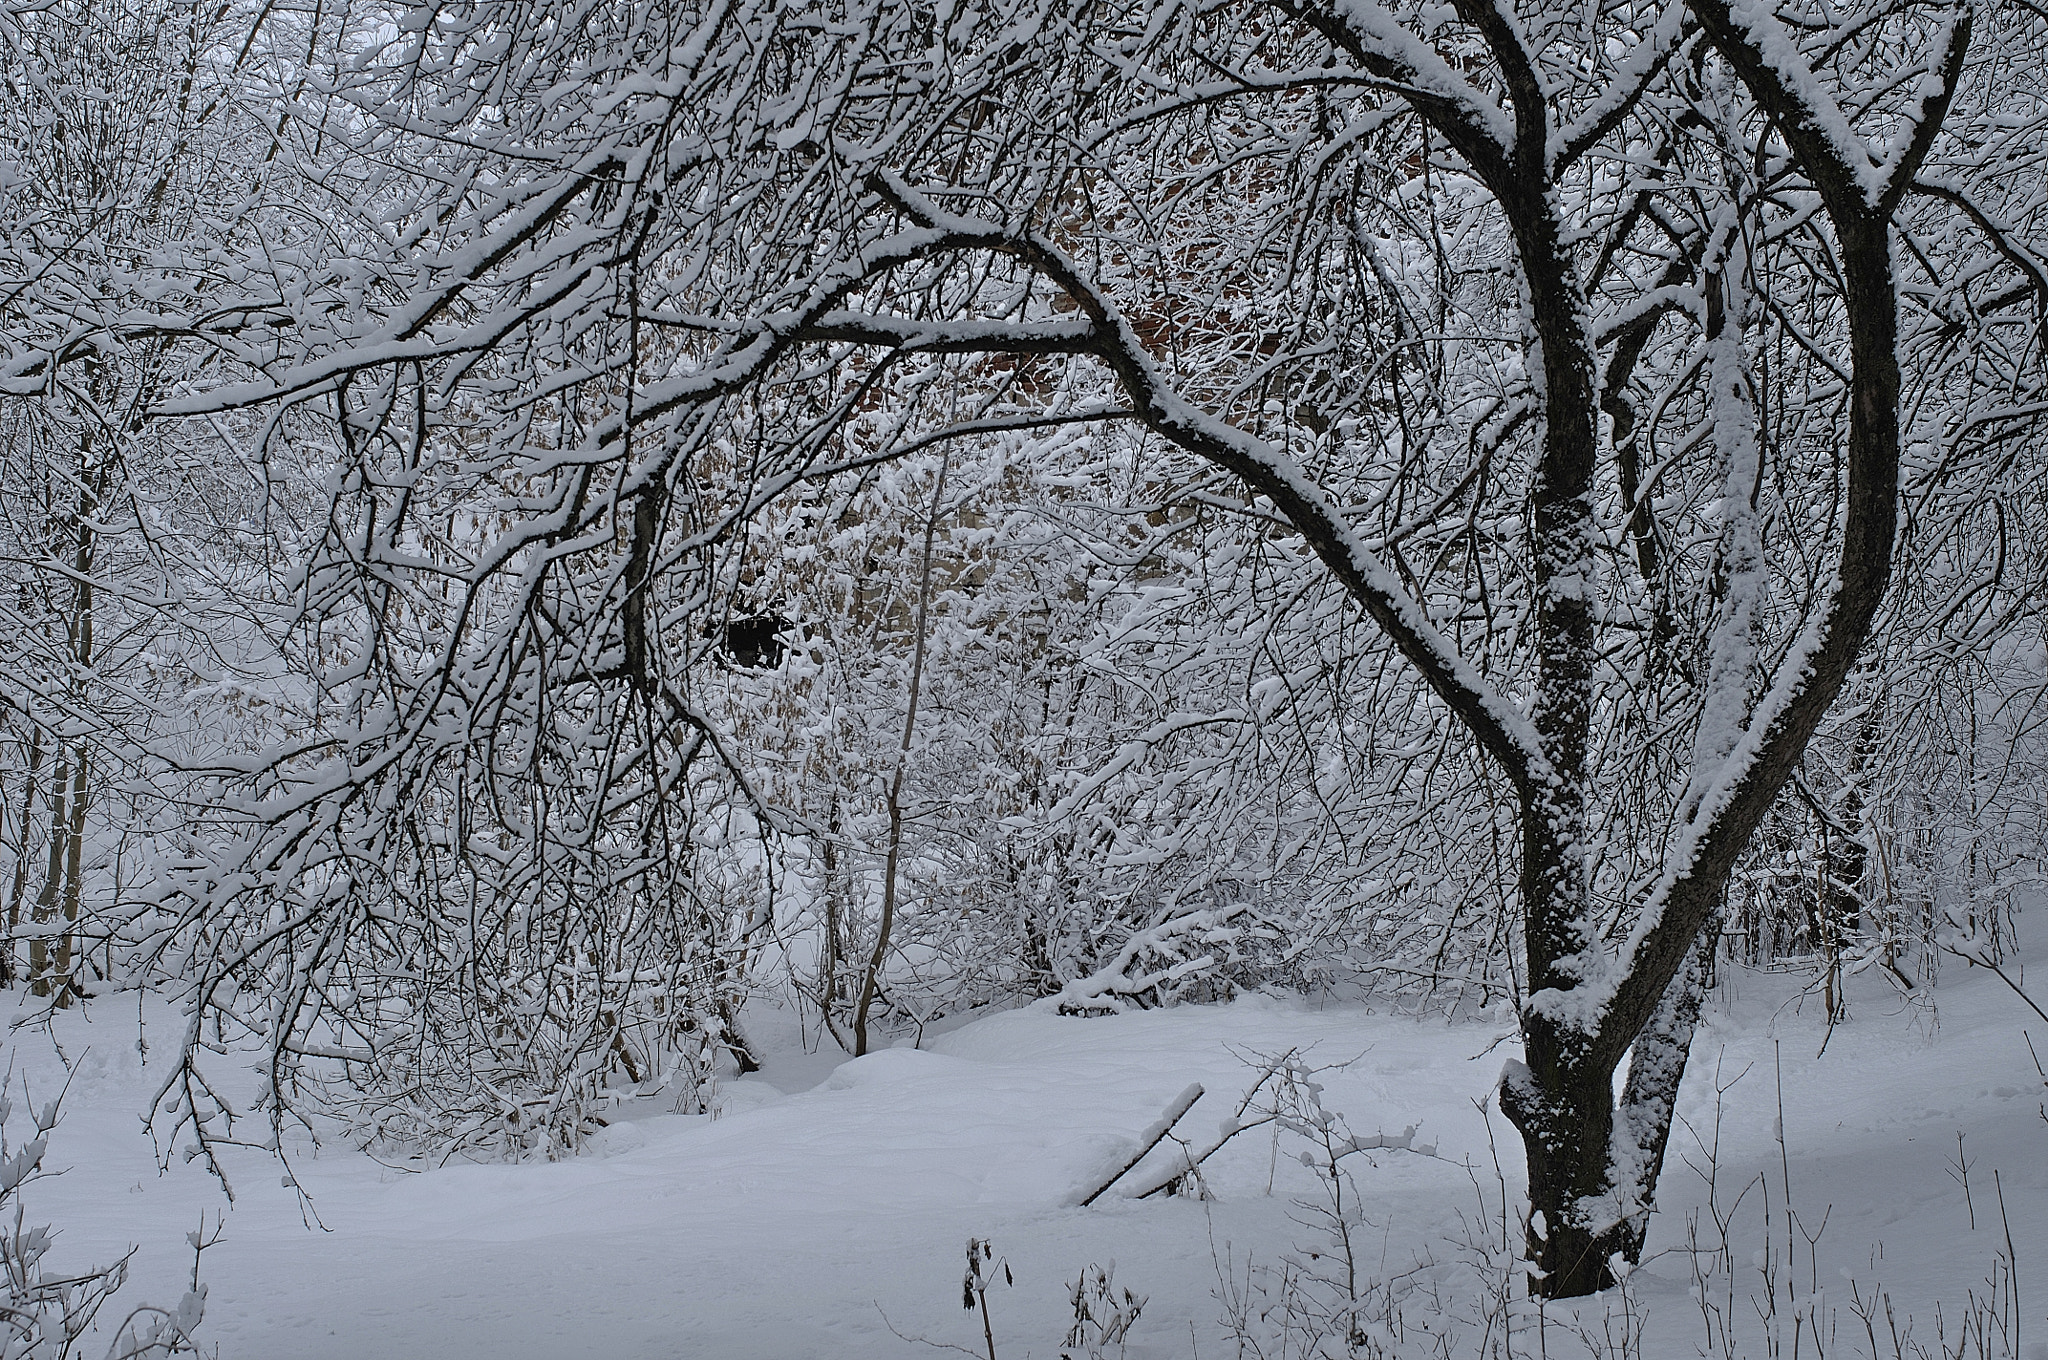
column 1143, row 769
column 1325, row 1298
column 50, row 1315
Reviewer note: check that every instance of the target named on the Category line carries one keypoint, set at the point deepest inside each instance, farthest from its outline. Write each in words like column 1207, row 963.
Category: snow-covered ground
column 824, row 1211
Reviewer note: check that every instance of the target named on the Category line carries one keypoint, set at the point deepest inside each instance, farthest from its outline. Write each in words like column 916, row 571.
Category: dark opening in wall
column 756, row 642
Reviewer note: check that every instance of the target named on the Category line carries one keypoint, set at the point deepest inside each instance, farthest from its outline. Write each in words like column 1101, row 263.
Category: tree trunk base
column 1575, row 1262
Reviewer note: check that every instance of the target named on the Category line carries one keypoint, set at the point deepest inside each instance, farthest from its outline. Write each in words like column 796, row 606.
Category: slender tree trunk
column 832, row 973
column 66, row 962
column 91, row 477
column 872, row 978
column 1649, row 1099
column 1848, row 857
column 53, row 877
column 20, row 889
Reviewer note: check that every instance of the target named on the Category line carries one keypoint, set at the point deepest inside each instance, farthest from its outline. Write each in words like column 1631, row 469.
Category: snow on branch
column 1180, row 948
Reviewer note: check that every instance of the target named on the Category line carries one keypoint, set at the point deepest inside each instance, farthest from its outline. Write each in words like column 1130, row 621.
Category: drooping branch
column 1494, row 719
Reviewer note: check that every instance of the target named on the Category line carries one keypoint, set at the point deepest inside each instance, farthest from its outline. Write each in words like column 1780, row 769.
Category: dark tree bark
column 1585, row 1010
column 1590, row 1001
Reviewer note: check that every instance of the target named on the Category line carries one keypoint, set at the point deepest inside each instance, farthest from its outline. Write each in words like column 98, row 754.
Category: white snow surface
column 827, row 1193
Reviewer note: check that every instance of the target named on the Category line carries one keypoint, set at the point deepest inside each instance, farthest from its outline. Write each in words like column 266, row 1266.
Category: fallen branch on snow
column 1148, row 1140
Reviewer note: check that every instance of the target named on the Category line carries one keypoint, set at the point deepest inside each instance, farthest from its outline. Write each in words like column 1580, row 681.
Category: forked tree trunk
column 1591, row 997
column 1594, row 1162
column 1593, row 1167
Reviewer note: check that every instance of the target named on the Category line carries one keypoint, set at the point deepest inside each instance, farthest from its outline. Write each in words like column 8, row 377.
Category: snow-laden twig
column 1106, row 988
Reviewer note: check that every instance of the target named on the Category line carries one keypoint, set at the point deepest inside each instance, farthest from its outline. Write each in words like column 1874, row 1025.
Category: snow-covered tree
column 1587, row 357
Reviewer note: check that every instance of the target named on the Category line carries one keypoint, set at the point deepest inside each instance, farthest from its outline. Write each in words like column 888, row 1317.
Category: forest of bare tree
column 531, row 529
